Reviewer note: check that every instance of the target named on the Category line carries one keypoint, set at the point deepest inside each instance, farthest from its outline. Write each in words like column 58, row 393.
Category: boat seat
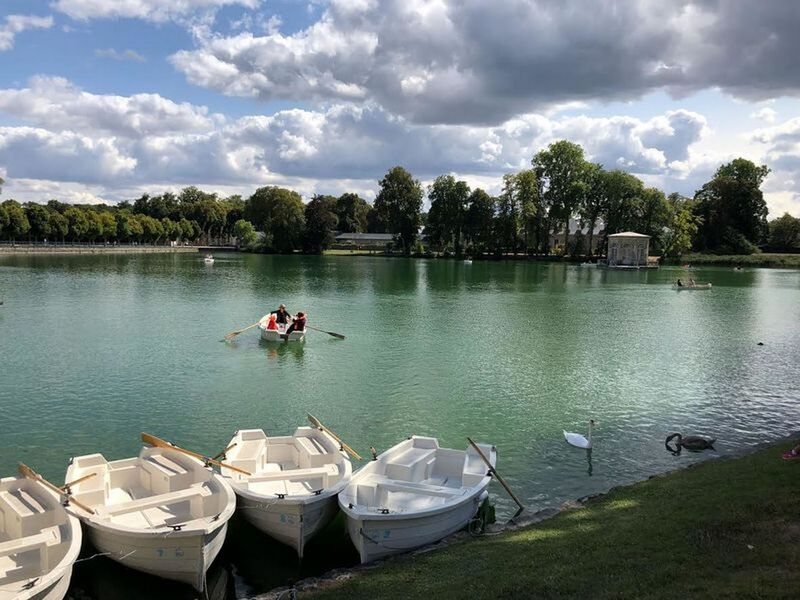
column 411, row 465
column 250, row 449
column 420, row 488
column 311, row 453
column 167, row 466
column 40, row 541
column 294, row 474
column 24, row 513
column 153, row 501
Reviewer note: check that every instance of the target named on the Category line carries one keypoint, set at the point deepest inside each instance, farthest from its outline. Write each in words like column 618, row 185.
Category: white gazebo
column 628, row 250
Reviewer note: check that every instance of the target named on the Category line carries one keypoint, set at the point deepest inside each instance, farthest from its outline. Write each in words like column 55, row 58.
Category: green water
column 95, row 349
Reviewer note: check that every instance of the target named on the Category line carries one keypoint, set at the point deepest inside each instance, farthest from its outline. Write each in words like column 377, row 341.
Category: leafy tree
column 277, row 212
column 245, row 233
column 676, row 238
column 509, row 215
column 58, row 224
column 654, row 213
column 733, row 209
column 526, row 190
column 18, row 225
column 375, row 222
column 95, row 225
column 398, row 204
column 352, row 212
column 479, row 221
column 186, row 230
column 78, row 223
column 445, row 219
column 564, row 174
column 4, row 219
column 39, row 219
column 621, row 196
column 594, row 202
column 784, row 232
column 321, row 222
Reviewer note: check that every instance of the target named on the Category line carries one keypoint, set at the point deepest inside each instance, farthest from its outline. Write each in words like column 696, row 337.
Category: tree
column 733, row 209
column 4, row 219
column 654, row 213
column 563, row 172
column 445, row 220
column 108, row 225
column 594, row 202
column 479, row 221
column 784, row 232
column 95, row 225
column 621, row 194
column 398, row 204
column 78, row 223
column 58, row 224
column 39, row 219
column 277, row 212
column 18, row 225
column 352, row 211
column 526, row 189
column 321, row 222
column 508, row 221
column 677, row 238
column 245, row 233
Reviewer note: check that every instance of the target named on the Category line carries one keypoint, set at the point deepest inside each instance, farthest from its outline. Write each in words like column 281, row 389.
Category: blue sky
column 103, row 100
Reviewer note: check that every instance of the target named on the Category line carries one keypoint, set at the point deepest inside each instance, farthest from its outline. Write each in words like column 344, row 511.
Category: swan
column 692, row 442
column 577, row 440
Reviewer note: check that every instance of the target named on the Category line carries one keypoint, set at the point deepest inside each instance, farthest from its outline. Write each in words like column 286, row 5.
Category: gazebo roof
column 629, row 234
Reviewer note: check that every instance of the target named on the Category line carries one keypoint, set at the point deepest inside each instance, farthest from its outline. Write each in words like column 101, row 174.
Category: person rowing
column 282, row 316
column 680, row 283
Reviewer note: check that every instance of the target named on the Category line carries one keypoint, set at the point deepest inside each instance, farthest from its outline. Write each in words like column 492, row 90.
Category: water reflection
column 282, row 351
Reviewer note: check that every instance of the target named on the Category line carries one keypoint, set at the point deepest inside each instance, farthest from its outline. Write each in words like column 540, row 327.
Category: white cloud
column 15, row 24
column 472, row 61
column 113, row 54
column 766, row 114
column 151, row 10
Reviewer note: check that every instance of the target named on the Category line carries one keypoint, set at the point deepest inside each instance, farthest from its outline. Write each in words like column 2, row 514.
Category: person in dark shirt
column 299, row 323
column 282, row 316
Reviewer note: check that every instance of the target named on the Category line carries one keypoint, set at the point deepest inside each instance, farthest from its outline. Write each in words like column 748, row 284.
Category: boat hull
column 271, row 335
column 179, row 556
column 291, row 523
column 376, row 538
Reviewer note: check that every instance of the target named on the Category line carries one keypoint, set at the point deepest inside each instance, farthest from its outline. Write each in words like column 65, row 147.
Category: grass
column 746, row 260
column 724, row 529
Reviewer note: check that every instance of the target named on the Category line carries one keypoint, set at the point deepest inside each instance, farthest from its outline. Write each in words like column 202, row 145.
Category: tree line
column 530, row 215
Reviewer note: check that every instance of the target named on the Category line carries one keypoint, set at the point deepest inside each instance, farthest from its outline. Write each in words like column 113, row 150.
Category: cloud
column 471, row 61
column 57, row 105
column 151, row 10
column 766, row 114
column 113, row 54
column 15, row 24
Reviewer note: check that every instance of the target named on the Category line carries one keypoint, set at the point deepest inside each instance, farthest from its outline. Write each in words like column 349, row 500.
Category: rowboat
column 291, row 494
column 39, row 542
column 160, row 512
column 208, row 259
column 696, row 286
column 278, row 335
column 414, row 494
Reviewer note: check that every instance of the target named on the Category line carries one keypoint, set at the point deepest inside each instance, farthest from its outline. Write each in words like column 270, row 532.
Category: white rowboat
column 414, row 494
column 696, row 286
column 295, row 480
column 161, row 512
column 278, row 335
column 39, row 542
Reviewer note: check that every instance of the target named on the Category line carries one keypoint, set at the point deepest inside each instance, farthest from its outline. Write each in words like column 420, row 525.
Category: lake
column 96, row 349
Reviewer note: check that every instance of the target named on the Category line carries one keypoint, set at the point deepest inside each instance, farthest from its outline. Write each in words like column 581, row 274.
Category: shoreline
column 63, row 250
column 332, row 581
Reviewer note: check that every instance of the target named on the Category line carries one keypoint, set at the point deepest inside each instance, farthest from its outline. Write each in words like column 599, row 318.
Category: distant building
column 628, row 249
column 362, row 241
column 557, row 238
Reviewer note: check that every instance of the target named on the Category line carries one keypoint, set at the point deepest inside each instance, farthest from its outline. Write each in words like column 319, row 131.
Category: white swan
column 577, row 440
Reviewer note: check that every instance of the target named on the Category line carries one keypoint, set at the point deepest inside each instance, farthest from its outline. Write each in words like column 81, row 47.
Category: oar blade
column 154, row 441
column 26, row 471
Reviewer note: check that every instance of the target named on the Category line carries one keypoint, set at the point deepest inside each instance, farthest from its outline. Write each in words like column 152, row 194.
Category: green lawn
column 725, row 529
column 746, row 260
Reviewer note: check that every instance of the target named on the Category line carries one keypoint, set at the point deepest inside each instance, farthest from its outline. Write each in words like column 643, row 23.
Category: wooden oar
column 318, row 424
column 26, row 471
column 224, row 452
column 159, row 443
column 67, row 487
column 336, row 335
column 233, row 334
column 497, row 476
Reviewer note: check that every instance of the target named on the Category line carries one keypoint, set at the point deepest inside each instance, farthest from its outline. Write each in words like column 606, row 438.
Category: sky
column 104, row 100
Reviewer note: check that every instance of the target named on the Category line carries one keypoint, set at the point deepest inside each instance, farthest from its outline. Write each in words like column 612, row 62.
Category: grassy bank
column 728, row 528
column 52, row 250
column 746, row 260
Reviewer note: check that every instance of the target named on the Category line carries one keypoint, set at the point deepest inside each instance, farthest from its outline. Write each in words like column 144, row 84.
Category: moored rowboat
column 414, row 494
column 160, row 512
column 278, row 335
column 295, row 480
column 39, row 542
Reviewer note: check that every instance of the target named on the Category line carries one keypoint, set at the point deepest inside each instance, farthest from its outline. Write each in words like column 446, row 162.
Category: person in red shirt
column 299, row 323
column 272, row 322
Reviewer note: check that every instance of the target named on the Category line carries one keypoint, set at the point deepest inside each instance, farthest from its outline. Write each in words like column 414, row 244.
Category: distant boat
column 40, row 541
column 467, row 261
column 291, row 494
column 414, row 494
column 279, row 334
column 696, row 286
column 209, row 260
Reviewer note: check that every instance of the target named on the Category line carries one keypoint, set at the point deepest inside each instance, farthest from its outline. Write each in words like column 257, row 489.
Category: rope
column 105, row 554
